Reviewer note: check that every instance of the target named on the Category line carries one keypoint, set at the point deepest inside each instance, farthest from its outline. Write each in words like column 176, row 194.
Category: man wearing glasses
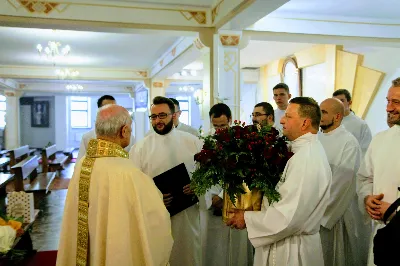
column 263, row 114
column 160, row 151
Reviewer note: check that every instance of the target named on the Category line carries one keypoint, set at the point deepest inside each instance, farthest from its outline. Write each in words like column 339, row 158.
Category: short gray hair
column 110, row 119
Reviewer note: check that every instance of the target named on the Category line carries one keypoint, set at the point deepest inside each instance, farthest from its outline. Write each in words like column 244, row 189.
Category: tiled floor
column 46, row 229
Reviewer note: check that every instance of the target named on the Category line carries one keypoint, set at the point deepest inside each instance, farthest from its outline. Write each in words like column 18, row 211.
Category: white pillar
column 157, row 89
column 61, row 122
column 12, row 134
column 227, row 45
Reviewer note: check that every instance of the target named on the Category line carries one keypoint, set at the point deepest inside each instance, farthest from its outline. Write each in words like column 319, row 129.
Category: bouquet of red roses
column 254, row 155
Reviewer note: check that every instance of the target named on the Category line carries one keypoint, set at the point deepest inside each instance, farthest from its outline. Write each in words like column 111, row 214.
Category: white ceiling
column 386, row 11
column 202, row 3
column 258, row 53
column 88, row 49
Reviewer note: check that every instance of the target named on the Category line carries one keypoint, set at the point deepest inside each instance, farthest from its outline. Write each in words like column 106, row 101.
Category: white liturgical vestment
column 156, row 154
column 379, row 173
column 287, row 232
column 128, row 224
column 360, row 129
column 339, row 224
column 221, row 244
column 278, row 114
column 92, row 135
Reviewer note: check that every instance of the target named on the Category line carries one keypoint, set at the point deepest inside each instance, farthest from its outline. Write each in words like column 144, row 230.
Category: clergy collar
column 338, row 129
column 102, row 148
column 302, row 140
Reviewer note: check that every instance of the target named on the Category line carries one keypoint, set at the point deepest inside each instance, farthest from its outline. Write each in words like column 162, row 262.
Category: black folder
column 173, row 181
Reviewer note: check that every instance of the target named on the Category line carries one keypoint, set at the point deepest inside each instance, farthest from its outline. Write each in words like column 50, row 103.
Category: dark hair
column 104, row 97
column 163, row 100
column 176, row 102
column 281, row 86
column 345, row 92
column 219, row 110
column 268, row 109
column 309, row 108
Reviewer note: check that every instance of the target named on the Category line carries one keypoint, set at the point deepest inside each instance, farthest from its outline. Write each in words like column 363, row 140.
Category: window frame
column 185, row 110
column 292, row 59
column 87, row 111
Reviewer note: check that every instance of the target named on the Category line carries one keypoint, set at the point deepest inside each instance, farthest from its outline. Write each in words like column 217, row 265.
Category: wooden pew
column 20, row 154
column 27, row 178
column 51, row 162
column 68, row 152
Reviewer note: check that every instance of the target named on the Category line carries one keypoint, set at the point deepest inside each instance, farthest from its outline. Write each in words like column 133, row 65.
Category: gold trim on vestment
column 97, row 148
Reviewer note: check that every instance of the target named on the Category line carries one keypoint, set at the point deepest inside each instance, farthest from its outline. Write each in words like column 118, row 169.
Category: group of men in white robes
column 316, row 222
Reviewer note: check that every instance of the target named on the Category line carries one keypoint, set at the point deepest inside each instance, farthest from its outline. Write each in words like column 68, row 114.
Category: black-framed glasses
column 257, row 115
column 160, row 115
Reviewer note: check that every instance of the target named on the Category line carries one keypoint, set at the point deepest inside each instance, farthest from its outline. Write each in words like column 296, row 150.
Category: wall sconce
column 198, row 96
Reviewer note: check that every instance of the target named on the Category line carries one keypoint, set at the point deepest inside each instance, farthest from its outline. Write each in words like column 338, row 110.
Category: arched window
column 291, row 75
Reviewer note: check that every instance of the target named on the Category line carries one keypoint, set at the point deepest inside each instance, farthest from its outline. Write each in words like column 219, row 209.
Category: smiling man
column 378, row 178
column 287, row 232
column 161, row 151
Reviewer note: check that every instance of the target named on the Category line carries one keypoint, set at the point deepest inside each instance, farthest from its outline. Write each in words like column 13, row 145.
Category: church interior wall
column 37, row 137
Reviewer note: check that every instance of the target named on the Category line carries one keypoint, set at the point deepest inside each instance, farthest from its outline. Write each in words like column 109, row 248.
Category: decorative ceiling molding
column 215, row 10
column 229, row 40
column 39, row 6
column 158, row 85
column 142, row 73
column 199, row 16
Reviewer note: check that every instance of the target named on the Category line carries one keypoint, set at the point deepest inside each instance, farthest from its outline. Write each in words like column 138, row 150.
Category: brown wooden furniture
column 27, row 178
column 68, row 152
column 52, row 162
column 20, row 154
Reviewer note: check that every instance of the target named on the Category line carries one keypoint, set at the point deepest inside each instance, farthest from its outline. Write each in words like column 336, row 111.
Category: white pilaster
column 61, row 124
column 12, row 134
column 157, row 89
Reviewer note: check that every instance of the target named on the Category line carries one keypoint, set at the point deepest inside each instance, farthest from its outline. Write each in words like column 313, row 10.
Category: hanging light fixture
column 66, row 73
column 53, row 50
column 74, row 87
column 186, row 88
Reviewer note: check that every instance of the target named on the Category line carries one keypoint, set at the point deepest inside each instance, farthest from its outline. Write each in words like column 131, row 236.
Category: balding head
column 113, row 123
column 332, row 114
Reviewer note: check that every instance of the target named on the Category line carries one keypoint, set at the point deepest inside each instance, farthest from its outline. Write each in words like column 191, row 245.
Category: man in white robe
column 114, row 214
column 338, row 228
column 287, row 232
column 355, row 125
column 222, row 246
column 102, row 101
column 159, row 152
column 281, row 97
column 178, row 124
column 378, row 178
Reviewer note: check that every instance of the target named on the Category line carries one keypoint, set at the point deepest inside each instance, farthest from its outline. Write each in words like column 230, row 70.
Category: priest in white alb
column 221, row 245
column 355, row 125
column 159, row 152
column 339, row 232
column 114, row 214
column 378, row 178
column 287, row 232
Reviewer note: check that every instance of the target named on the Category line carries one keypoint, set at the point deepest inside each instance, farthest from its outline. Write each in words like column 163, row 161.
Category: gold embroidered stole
column 97, row 148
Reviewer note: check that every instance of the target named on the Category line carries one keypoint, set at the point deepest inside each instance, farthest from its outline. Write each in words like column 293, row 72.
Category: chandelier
column 53, row 50
column 74, row 87
column 67, row 73
column 186, row 88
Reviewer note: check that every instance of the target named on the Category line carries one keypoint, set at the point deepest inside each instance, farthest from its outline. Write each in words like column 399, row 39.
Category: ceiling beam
column 320, row 39
column 8, row 84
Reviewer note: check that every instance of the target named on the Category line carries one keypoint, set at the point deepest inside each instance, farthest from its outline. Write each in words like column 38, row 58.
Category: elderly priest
column 287, row 232
column 114, row 214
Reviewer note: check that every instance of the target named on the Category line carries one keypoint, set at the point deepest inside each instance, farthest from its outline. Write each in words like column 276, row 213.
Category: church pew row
column 20, row 154
column 50, row 160
column 27, row 178
column 69, row 153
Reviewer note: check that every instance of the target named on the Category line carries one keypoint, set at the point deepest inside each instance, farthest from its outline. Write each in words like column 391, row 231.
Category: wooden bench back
column 18, row 155
column 24, row 169
column 48, row 153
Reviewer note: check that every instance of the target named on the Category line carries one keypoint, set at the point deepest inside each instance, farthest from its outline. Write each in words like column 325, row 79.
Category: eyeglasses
column 160, row 115
column 257, row 115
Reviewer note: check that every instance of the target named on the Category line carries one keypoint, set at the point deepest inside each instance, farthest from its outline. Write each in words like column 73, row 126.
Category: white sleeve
column 134, row 156
column 82, row 150
column 304, row 181
column 214, row 190
column 366, row 138
column 365, row 181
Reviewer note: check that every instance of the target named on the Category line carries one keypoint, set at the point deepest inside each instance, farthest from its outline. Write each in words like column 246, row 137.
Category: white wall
column 386, row 60
column 247, row 101
column 314, row 82
column 37, row 137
